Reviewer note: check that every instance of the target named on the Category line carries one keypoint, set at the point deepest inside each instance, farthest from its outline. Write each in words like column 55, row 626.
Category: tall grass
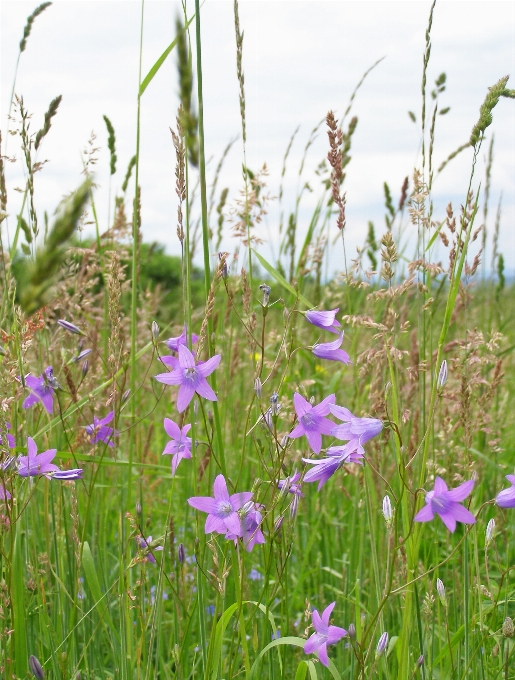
column 111, row 574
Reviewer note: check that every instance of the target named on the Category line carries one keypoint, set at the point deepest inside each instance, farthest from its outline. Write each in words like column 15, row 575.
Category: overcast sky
column 300, row 59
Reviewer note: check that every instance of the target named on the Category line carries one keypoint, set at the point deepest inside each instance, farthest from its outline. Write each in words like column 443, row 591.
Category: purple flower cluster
column 100, row 432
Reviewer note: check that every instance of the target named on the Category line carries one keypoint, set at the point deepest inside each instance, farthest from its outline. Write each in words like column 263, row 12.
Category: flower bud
column 85, row 368
column 125, row 396
column 387, row 510
column 442, row 375
column 278, row 523
column 181, row 555
column 73, row 329
column 440, row 588
column 266, row 293
column 382, row 644
column 274, row 400
column 352, row 631
column 155, row 330
column 82, row 355
column 138, row 508
column 258, row 388
column 36, row 668
column 508, row 630
column 420, row 661
column 294, row 506
column 490, row 528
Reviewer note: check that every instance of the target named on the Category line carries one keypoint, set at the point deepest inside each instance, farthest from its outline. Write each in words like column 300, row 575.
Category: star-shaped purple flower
column 311, row 420
column 338, row 456
column 250, row 525
column 331, row 351
column 506, row 497
column 324, row 634
column 42, row 389
column 34, row 464
column 182, row 339
column 100, row 432
column 222, row 515
column 447, row 504
column 324, row 320
column 180, row 445
column 191, row 377
column 361, row 429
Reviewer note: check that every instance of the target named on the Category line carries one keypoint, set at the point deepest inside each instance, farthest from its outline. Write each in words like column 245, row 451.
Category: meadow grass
column 108, row 572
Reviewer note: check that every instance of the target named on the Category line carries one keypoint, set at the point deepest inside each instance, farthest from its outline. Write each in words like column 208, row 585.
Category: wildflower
column 222, row 515
column 36, row 464
column 66, row 475
column 250, row 523
column 324, row 634
column 68, row 326
column 210, row 609
column 146, row 543
column 506, row 497
column 154, row 329
column 276, row 635
column 82, row 355
column 353, row 427
column 420, row 661
column 191, row 377
column 36, row 668
column 331, row 351
column 447, row 504
column 387, row 510
column 290, row 484
column 442, row 375
column 99, row 431
column 180, row 445
column 337, row 457
column 490, row 528
column 84, row 368
column 266, row 293
column 324, row 320
column 254, row 575
column 276, row 406
column 4, row 494
column 42, row 389
column 10, row 439
column 352, row 631
column 440, row 589
column 382, row 644
column 182, row 339
column 311, row 420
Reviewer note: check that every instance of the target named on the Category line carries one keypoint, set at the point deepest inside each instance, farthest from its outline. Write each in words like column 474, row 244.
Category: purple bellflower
column 222, row 515
column 506, row 497
column 182, row 339
column 66, row 475
column 10, row 439
column 146, row 543
column 353, row 428
column 4, row 494
column 331, row 351
column 42, row 389
column 311, row 420
column 447, row 504
column 324, row 320
column 180, row 445
column 324, row 634
column 291, row 484
column 36, row 464
column 191, row 377
column 337, row 457
column 100, row 432
column 250, row 525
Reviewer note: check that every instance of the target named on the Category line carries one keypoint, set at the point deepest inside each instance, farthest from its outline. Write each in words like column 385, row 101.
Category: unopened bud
column 508, row 630
column 258, row 388
column 82, row 355
column 210, row 416
column 382, row 644
column 36, row 668
column 440, row 589
column 278, row 523
column 352, row 631
column 387, row 510
column 294, row 506
column 85, row 368
column 284, row 441
column 155, row 330
column 442, row 375
column 420, row 661
column 490, row 528
column 138, row 508
column 72, row 328
column 181, row 556
column 274, row 400
column 266, row 293
column 125, row 396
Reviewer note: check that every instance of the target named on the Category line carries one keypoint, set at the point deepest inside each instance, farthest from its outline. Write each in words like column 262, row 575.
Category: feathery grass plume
column 128, row 174
column 52, row 110
column 239, row 69
column 427, row 54
column 372, row 246
column 439, row 88
column 30, row 20
column 404, row 194
column 219, row 209
column 389, row 255
column 180, row 174
column 48, row 259
column 334, row 157
column 111, row 139
column 389, row 206
column 485, row 111
column 453, row 155
column 187, row 116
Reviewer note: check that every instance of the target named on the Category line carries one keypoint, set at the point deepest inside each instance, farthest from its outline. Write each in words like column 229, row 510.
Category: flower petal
column 172, row 378
column 204, row 390
column 214, row 523
column 301, row 405
column 172, row 429
column 323, row 408
column 220, row 489
column 186, row 392
column 207, row 367
column 297, row 431
column 315, row 440
column 233, row 524
column 425, row 515
column 327, row 613
column 203, row 503
column 186, row 358
column 461, row 514
column 440, row 486
column 335, row 634
column 449, row 521
column 238, row 500
column 317, row 622
column 461, row 492
column 322, row 654
column 313, row 643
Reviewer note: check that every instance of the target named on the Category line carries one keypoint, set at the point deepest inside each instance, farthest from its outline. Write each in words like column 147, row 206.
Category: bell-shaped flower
column 222, row 509
column 361, row 429
column 506, row 497
column 42, row 390
column 312, row 422
column 337, row 457
column 447, row 504
column 331, row 351
column 180, row 445
column 34, row 464
column 326, row 320
column 100, row 432
column 324, row 634
column 191, row 377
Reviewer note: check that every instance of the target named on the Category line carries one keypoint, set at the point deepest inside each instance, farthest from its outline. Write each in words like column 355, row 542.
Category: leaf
column 94, row 585
column 281, row 280
column 18, row 608
column 150, row 75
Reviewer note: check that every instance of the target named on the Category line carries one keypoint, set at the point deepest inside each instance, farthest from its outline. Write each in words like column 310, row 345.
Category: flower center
column 308, row 420
column 190, row 374
column 440, row 504
column 225, row 508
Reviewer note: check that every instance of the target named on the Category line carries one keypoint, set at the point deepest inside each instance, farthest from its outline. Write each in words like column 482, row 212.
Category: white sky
column 300, row 59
